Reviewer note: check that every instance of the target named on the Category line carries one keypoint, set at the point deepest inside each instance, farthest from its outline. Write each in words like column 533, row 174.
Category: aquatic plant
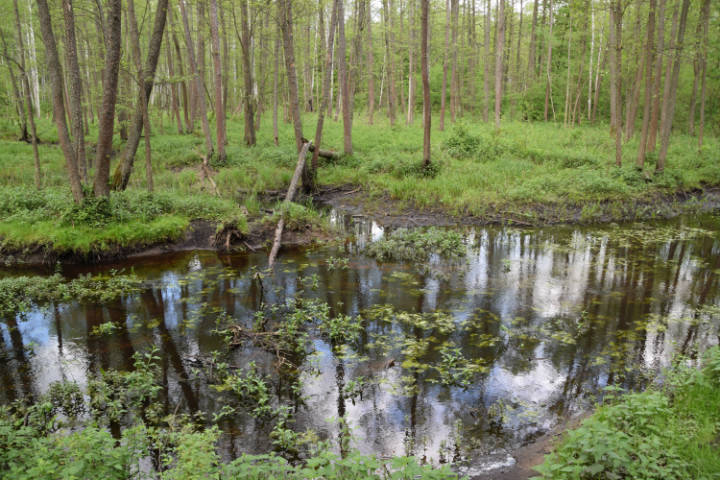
column 417, row 245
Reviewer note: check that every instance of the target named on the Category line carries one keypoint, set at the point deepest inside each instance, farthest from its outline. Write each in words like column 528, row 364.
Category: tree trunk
column 75, row 89
column 499, row 56
column 616, row 12
column 121, row 175
column 137, row 58
column 174, row 102
column 486, row 72
column 705, row 14
column 411, row 64
column 669, row 100
column 344, row 84
column 310, row 175
column 649, row 57
column 657, row 80
column 389, row 70
column 286, row 25
column 199, row 80
column 245, row 38
column 276, row 74
column 56, row 84
column 189, row 126
column 443, row 90
column 548, row 64
column 217, row 70
column 370, row 65
column 28, row 96
column 427, row 107
column 697, row 62
column 107, row 113
column 454, row 67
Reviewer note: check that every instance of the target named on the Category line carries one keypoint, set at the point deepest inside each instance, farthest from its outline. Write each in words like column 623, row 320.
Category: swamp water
column 461, row 360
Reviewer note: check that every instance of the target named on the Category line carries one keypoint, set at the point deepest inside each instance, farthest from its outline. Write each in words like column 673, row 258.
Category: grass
column 665, row 433
column 538, row 171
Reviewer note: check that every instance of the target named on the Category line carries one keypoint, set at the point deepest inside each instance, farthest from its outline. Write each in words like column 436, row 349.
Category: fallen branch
column 326, row 154
column 207, row 173
column 288, row 198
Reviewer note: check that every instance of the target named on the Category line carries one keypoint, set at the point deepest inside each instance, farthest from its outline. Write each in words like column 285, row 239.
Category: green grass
column 664, row 433
column 518, row 171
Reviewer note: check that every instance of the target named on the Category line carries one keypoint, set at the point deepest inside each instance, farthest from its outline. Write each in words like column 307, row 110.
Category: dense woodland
column 644, row 68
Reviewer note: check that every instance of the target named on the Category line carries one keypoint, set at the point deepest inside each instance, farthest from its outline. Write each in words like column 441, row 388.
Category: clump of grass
column 668, row 433
column 417, row 245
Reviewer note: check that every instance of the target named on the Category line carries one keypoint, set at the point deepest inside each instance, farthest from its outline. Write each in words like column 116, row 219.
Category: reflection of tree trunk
column 24, row 367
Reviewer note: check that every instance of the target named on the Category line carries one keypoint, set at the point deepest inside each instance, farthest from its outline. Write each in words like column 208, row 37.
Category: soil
column 392, row 213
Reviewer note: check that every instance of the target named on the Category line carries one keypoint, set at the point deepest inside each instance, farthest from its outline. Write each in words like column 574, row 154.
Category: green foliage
column 666, row 434
column 417, row 245
column 18, row 294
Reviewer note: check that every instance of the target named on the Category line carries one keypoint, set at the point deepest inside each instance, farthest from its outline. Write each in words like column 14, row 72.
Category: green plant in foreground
column 658, row 434
column 417, row 245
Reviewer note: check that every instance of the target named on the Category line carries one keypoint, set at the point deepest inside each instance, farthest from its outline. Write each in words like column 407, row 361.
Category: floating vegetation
column 417, row 245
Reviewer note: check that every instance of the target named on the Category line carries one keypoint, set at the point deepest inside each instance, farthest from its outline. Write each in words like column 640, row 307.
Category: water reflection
column 555, row 315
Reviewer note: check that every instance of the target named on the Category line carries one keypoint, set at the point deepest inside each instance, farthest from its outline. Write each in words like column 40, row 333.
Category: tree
column 649, row 57
column 499, row 55
column 217, row 70
column 245, row 43
column 286, row 26
column 75, row 89
column 671, row 94
column 344, row 82
column 57, row 86
column 424, row 34
column 110, row 90
column 121, row 175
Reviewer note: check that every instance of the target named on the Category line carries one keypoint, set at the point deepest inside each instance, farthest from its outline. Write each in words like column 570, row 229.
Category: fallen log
column 326, row 154
column 288, row 198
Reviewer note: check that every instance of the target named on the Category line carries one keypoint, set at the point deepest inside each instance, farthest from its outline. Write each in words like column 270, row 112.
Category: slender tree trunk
column 389, row 70
column 590, row 59
column 276, row 74
column 705, row 14
column 519, row 49
column 548, row 64
column 199, row 80
column 217, row 70
column 107, row 113
column 616, row 13
column 75, row 89
column 370, row 65
column 286, row 25
column 17, row 94
column 424, row 34
column 175, row 103
column 137, row 58
column 411, row 64
column 121, row 175
column 443, row 90
column 649, row 58
column 310, row 175
column 567, row 76
column 246, row 44
column 499, row 56
column 28, row 96
column 454, row 67
column 657, row 80
column 669, row 100
column 344, row 82
column 486, row 72
column 697, row 63
column 189, row 126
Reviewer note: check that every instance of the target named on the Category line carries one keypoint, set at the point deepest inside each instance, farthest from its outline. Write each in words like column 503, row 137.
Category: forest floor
column 528, row 174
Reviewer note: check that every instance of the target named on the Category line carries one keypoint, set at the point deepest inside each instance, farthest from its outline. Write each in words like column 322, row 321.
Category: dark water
column 552, row 316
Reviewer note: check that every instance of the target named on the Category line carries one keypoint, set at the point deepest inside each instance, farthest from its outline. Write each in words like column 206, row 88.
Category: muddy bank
column 200, row 235
column 393, row 213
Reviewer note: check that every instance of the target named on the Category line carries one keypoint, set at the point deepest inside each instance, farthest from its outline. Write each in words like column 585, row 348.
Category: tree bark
column 121, row 175
column 75, row 89
column 705, row 13
column 199, row 81
column 28, row 96
column 107, row 113
column 344, row 82
column 189, row 126
column 245, row 38
column 310, row 175
column 649, row 58
column 427, row 107
column 616, row 13
column 657, row 80
column 548, row 60
column 370, row 65
column 486, row 73
column 286, row 25
column 454, row 90
column 174, row 102
column 499, row 56
column 218, row 72
column 669, row 100
column 276, row 74
column 56, row 84
column 443, row 89
column 411, row 64
column 389, row 70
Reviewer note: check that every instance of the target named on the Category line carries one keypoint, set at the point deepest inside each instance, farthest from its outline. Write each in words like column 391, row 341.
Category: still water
column 545, row 319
